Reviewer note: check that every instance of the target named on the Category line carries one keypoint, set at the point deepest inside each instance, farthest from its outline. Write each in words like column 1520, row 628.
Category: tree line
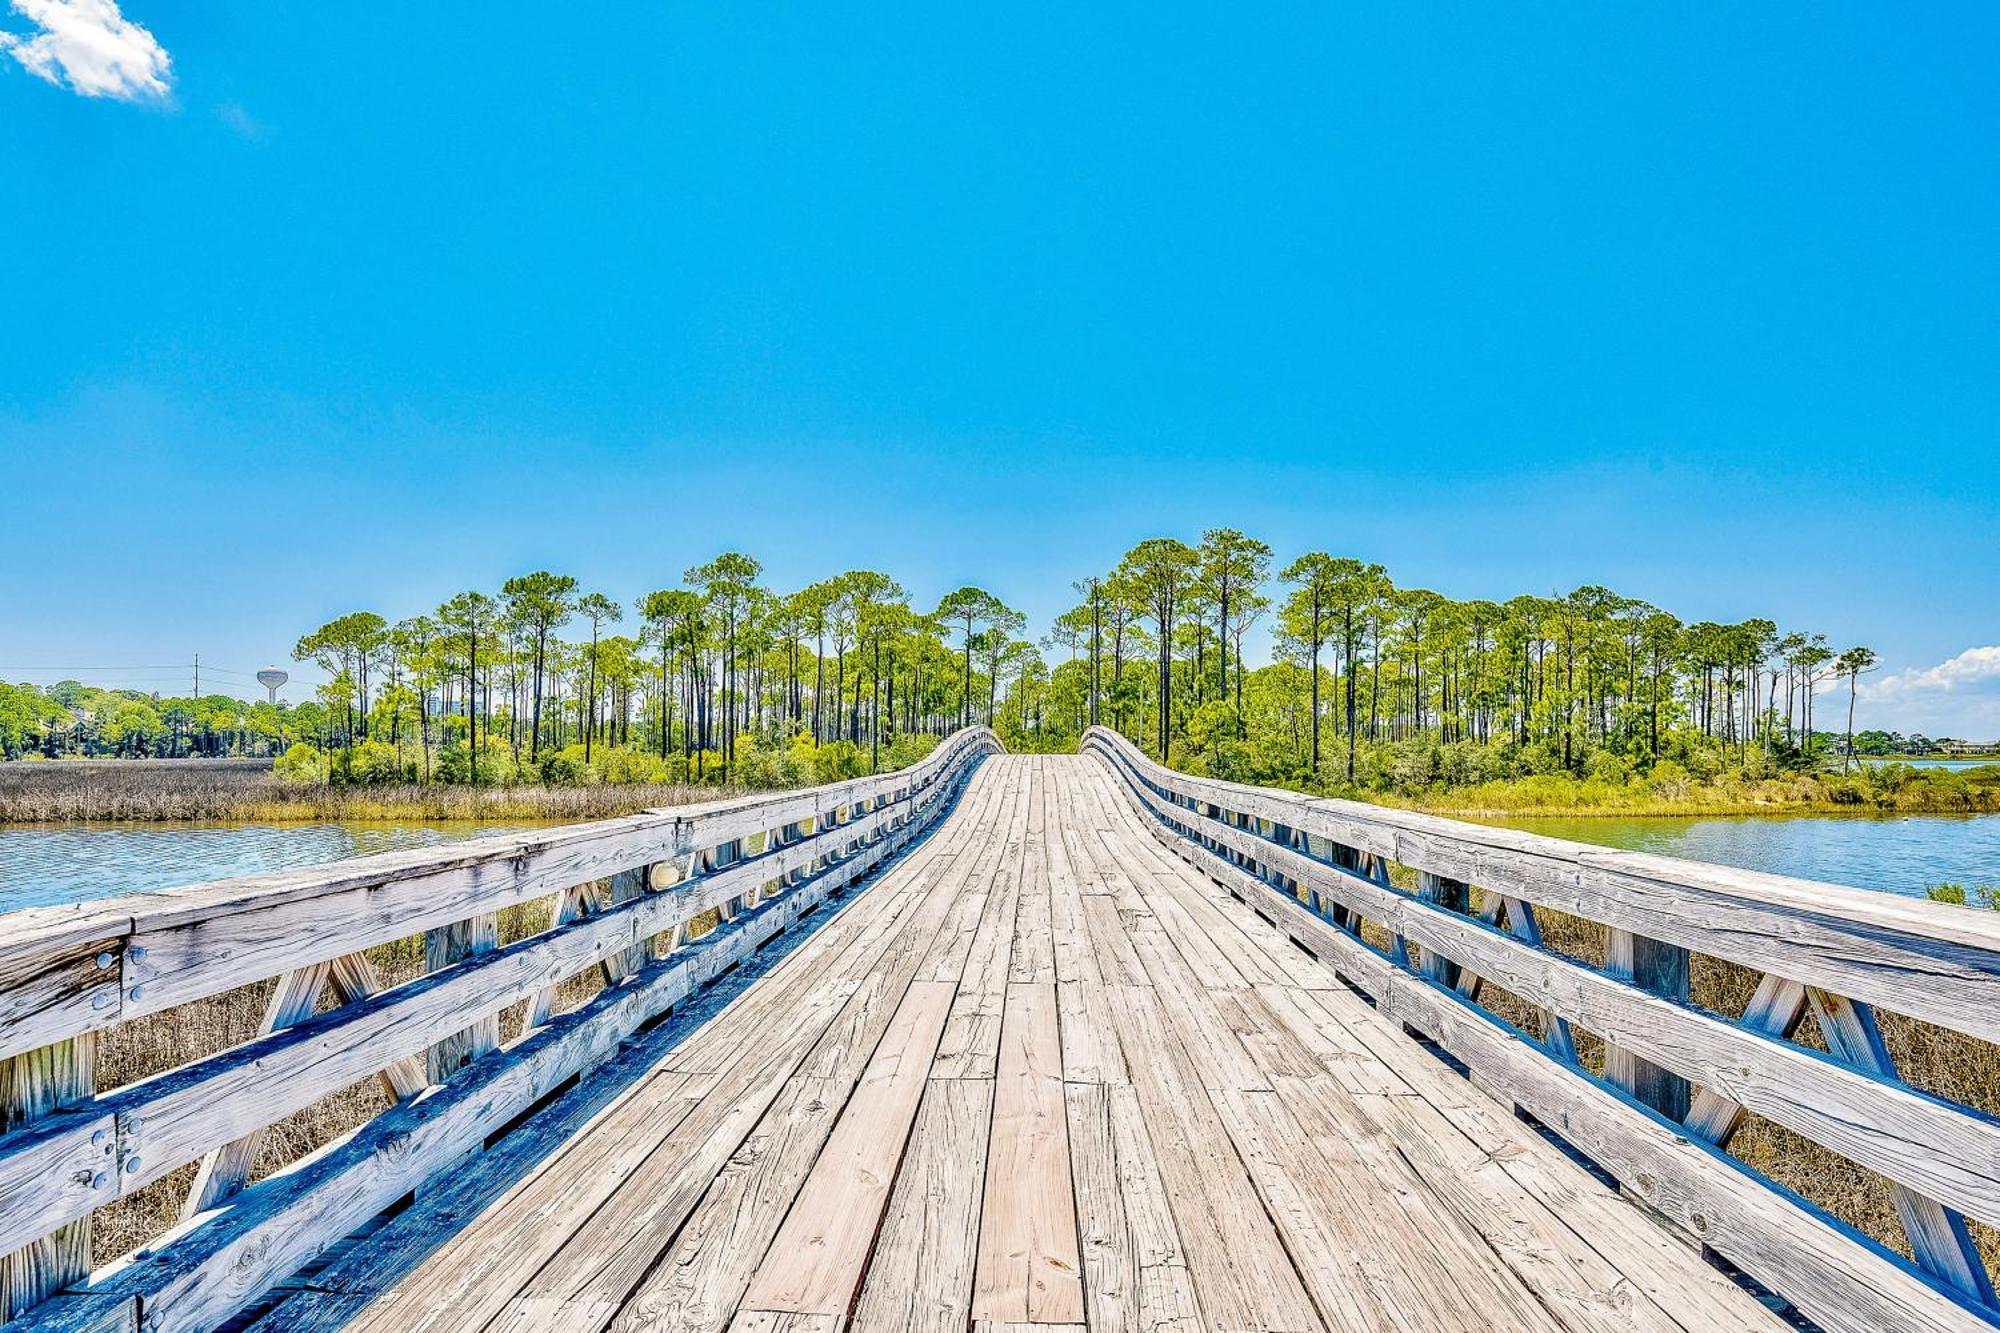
column 721, row 677
column 1375, row 685
column 543, row 678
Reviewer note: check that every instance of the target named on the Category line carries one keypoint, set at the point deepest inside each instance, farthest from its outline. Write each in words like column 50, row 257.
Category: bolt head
column 104, row 960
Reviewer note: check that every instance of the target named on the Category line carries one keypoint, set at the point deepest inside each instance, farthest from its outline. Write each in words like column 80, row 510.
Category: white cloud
column 1957, row 697
column 1972, row 668
column 89, row 47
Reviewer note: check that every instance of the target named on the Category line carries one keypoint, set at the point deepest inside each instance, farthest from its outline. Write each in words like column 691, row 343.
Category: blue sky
column 311, row 308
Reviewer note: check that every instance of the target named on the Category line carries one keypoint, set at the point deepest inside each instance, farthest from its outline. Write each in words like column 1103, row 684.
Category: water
column 1900, row 854
column 1895, row 853
column 1947, row 765
column 42, row 865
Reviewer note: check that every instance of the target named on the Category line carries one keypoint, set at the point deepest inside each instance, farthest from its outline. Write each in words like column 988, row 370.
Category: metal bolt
column 137, row 955
column 101, row 1000
column 98, row 1138
column 137, row 991
column 131, row 1164
column 104, row 960
column 98, row 1181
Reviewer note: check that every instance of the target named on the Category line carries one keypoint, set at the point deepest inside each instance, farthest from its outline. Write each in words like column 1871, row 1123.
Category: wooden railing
column 622, row 894
column 1674, row 1082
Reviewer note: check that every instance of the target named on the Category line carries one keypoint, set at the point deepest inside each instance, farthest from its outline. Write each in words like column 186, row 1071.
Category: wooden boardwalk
column 1040, row 1074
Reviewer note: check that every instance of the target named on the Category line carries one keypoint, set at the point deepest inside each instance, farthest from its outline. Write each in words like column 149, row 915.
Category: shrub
column 907, row 749
column 496, row 763
column 1414, row 765
column 1978, row 895
column 301, row 764
column 625, row 767
column 566, row 768
column 1669, row 781
column 373, row 763
column 1606, row 767
column 1468, row 763
column 837, row 760
column 765, row 768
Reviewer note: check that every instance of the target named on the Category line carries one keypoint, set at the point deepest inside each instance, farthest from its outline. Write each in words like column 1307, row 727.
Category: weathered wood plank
column 1658, row 969
column 33, row 1087
column 165, row 948
column 1932, row 1146
column 224, row 1170
column 920, row 1277
column 1937, row 1234
column 1836, row 1277
column 283, row 1222
column 1029, row 1260
column 61, row 973
column 1917, row 958
column 177, row 1117
column 819, row 1253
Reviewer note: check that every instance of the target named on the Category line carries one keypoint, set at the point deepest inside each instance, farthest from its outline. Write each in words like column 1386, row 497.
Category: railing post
column 625, row 886
column 1453, row 896
column 1662, row 969
column 224, row 1170
column 443, row 946
column 35, row 1084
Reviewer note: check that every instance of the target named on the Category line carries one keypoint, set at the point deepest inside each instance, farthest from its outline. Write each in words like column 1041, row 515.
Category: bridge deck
column 1041, row 1073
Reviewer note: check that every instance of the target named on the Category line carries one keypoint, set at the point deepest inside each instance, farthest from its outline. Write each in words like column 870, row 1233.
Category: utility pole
column 197, row 675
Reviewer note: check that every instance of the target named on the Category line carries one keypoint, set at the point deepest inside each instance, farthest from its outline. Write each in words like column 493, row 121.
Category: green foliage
column 303, row 764
column 496, row 766
column 1975, row 895
column 372, row 763
column 566, row 767
column 625, row 766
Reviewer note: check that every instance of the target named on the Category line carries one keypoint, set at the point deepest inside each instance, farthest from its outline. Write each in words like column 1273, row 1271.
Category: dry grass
column 150, row 790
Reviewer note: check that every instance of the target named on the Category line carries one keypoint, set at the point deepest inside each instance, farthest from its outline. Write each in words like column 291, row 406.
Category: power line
column 180, row 667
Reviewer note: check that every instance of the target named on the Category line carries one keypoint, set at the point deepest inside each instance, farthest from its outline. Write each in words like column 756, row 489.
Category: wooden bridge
column 1000, row 1043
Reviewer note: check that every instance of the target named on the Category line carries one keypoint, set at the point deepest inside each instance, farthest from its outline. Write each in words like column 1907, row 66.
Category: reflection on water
column 44, row 865
column 1898, row 853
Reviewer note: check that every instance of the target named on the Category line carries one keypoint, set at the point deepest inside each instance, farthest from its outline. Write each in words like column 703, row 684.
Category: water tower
column 271, row 678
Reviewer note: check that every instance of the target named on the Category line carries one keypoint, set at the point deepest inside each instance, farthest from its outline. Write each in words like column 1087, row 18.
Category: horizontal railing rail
column 1676, row 1081
column 623, row 896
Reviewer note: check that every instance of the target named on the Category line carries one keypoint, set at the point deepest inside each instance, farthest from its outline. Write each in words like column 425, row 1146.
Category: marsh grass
column 143, row 791
column 1888, row 789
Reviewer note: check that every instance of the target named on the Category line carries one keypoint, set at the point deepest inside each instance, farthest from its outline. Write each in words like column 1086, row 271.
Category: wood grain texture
column 1911, row 956
column 1833, row 1275
column 1058, row 1067
column 1932, row 1146
column 1029, row 1263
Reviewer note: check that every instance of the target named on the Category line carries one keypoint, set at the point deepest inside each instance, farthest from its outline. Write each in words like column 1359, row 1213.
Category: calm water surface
column 1897, row 853
column 1948, row 765
column 43, row 865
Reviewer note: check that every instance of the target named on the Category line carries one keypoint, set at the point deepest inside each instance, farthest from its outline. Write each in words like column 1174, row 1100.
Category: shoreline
column 1685, row 810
